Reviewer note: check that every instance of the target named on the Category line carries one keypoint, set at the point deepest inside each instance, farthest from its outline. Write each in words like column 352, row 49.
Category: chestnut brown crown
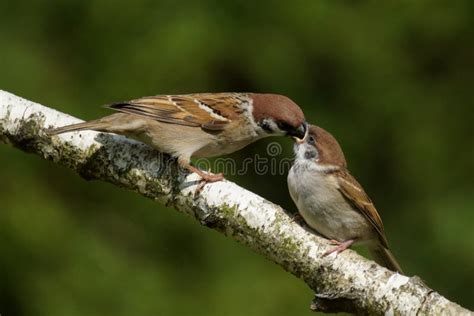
column 275, row 113
column 329, row 150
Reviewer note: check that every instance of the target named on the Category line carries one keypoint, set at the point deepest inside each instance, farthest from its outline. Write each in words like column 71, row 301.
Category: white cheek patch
column 272, row 126
column 301, row 151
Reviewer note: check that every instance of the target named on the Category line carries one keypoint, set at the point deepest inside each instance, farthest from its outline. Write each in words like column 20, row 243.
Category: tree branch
column 347, row 282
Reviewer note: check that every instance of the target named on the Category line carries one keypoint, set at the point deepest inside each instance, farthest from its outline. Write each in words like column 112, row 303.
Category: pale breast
column 175, row 140
column 323, row 207
column 235, row 137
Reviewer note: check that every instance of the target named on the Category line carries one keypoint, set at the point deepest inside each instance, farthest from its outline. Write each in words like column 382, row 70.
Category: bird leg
column 205, row 177
column 208, row 177
column 341, row 246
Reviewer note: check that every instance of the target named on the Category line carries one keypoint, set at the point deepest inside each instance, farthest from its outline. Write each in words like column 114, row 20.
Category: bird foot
column 341, row 246
column 208, row 178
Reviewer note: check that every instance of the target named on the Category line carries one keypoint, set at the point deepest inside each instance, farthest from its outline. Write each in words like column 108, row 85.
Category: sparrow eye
column 312, row 140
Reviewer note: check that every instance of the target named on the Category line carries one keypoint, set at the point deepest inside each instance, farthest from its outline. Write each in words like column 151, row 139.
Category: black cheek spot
column 310, row 155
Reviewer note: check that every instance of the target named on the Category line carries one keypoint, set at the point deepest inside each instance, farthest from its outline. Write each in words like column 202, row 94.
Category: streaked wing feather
column 162, row 116
column 212, row 112
column 214, row 125
column 353, row 191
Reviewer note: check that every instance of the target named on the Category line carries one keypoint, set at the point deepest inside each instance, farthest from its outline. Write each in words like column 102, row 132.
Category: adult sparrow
column 200, row 125
column 331, row 201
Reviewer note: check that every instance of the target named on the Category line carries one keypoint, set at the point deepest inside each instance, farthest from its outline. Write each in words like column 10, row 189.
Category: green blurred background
column 391, row 80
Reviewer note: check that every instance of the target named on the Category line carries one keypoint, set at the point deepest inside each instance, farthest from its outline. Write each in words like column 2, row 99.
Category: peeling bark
column 347, row 282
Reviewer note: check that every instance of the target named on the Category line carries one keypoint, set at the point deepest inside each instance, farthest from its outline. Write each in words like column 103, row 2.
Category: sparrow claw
column 340, row 248
column 208, row 178
column 213, row 177
column 200, row 186
column 205, row 177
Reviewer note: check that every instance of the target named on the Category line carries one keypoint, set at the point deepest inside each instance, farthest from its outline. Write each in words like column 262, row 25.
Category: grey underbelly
column 165, row 138
column 326, row 211
column 339, row 223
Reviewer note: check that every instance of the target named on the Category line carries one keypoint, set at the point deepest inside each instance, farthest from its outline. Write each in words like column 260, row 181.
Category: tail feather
column 95, row 125
column 384, row 257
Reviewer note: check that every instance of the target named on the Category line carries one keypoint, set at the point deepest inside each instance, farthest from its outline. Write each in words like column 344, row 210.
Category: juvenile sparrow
column 331, row 201
column 200, row 125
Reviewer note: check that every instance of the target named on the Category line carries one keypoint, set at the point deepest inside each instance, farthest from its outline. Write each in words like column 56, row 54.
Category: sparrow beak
column 302, row 134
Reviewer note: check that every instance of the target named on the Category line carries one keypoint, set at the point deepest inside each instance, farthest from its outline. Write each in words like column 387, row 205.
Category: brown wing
column 210, row 111
column 353, row 192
